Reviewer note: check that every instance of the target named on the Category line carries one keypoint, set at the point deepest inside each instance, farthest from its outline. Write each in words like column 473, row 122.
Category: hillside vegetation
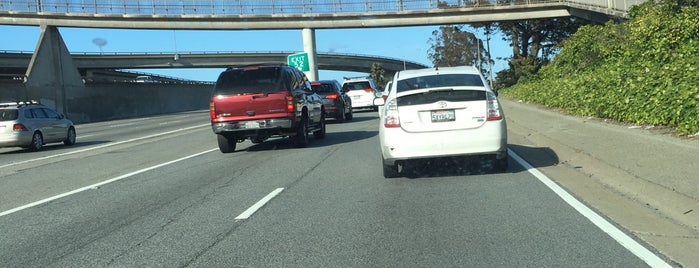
column 644, row 70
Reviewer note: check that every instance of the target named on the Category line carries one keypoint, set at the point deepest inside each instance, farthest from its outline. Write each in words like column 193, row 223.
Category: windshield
column 242, row 81
column 443, row 80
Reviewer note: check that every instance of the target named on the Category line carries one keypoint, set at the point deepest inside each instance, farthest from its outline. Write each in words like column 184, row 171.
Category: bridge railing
column 247, row 7
column 271, row 8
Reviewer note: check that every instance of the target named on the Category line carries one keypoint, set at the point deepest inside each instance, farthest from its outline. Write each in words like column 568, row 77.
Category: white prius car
column 441, row 112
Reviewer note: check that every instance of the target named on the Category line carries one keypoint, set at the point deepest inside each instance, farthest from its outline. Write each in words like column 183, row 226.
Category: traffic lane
column 327, row 209
column 345, row 214
column 97, row 134
column 165, row 216
column 27, row 182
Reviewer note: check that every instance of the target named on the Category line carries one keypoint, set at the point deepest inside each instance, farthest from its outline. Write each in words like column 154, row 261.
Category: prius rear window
column 442, row 95
column 439, row 80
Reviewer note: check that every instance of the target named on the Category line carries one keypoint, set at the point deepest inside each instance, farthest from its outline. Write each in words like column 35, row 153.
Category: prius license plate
column 443, row 116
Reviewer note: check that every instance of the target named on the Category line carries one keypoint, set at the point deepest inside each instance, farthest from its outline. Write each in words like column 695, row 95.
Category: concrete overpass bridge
column 53, row 75
column 14, row 62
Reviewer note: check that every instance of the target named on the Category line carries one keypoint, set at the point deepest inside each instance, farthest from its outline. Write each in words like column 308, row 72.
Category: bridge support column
column 52, row 78
column 309, row 46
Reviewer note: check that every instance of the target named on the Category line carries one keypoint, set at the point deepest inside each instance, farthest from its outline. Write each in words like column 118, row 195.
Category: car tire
column 70, row 137
column 37, row 142
column 349, row 115
column 389, row 171
column 320, row 134
column 257, row 140
column 501, row 165
column 226, row 144
column 341, row 116
column 301, row 137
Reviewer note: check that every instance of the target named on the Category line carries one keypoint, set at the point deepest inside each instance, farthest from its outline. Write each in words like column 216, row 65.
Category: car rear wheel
column 37, row 142
column 389, row 171
column 320, row 134
column 501, row 164
column 341, row 116
column 70, row 138
column 301, row 137
column 226, row 144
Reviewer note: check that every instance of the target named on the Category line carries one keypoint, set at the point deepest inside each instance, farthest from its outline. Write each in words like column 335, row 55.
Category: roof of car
column 18, row 104
column 323, row 82
column 438, row 70
column 359, row 78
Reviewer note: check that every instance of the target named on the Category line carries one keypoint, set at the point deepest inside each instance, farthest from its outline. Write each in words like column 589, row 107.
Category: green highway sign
column 299, row 60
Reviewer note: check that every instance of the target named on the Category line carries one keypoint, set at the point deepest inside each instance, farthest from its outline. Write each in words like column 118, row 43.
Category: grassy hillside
column 644, row 70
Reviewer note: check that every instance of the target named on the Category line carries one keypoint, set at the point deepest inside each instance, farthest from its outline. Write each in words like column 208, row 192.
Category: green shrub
column 642, row 71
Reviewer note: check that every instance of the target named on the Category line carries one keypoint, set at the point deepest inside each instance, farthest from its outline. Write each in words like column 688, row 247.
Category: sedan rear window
column 323, row 88
column 8, row 114
column 439, row 80
column 242, row 81
column 442, row 95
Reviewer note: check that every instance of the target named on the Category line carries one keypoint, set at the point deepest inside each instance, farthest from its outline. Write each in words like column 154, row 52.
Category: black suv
column 263, row 101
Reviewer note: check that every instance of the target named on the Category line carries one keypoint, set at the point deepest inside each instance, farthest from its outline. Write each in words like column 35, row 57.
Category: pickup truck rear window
column 242, row 81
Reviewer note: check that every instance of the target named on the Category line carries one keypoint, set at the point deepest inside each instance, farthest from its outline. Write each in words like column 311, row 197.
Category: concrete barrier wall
column 109, row 101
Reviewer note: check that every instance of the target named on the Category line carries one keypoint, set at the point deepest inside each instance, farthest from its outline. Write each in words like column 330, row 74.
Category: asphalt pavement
column 642, row 177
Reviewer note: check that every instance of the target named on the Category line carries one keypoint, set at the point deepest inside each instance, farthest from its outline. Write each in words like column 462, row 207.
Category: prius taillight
column 493, row 107
column 391, row 117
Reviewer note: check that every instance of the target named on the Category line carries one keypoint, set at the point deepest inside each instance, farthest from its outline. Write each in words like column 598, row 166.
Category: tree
column 452, row 46
column 378, row 73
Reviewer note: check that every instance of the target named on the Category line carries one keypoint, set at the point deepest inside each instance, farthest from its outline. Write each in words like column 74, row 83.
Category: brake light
column 290, row 107
column 19, row 127
column 370, row 90
column 493, row 107
column 391, row 117
column 212, row 110
column 332, row 96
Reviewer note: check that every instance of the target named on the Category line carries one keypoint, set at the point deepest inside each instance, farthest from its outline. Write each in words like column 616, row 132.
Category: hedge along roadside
column 643, row 71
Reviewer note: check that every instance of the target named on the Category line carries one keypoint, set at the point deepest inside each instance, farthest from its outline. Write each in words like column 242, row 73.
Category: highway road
column 156, row 192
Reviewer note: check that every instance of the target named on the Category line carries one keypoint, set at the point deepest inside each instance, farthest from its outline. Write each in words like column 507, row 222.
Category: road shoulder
column 639, row 179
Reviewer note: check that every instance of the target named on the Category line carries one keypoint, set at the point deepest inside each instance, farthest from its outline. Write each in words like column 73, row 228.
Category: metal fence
column 248, row 7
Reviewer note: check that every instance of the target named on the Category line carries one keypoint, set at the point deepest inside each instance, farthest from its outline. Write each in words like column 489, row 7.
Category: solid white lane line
column 247, row 213
column 101, row 183
column 629, row 243
column 102, row 146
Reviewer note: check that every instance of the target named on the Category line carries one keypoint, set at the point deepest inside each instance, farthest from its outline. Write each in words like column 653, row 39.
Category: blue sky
column 410, row 43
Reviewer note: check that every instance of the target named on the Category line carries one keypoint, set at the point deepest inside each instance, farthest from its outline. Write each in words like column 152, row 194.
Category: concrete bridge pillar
column 52, row 78
column 309, row 46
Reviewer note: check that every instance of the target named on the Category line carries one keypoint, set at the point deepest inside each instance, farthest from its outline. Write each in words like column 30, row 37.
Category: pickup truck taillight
column 290, row 106
column 212, row 110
